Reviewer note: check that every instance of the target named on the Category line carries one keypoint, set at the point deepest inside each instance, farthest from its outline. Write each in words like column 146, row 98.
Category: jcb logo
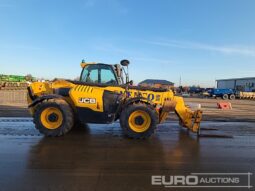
column 87, row 100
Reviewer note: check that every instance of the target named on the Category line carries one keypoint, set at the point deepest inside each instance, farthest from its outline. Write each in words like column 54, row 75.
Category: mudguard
column 45, row 97
column 126, row 102
column 135, row 99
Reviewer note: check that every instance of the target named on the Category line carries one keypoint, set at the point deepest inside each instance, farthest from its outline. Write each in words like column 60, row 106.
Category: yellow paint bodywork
column 163, row 102
column 45, row 88
column 186, row 115
column 83, row 64
column 83, row 91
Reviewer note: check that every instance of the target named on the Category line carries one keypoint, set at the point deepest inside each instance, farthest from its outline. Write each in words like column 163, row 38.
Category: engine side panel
column 94, row 105
column 87, row 97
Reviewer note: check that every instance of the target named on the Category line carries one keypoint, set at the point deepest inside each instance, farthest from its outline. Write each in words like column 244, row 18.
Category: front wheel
column 138, row 121
column 54, row 117
column 225, row 96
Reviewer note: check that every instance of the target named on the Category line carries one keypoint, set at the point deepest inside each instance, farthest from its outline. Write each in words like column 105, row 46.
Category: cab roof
column 83, row 64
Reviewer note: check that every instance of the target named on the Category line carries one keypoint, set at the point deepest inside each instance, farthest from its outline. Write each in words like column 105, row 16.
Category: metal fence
column 13, row 96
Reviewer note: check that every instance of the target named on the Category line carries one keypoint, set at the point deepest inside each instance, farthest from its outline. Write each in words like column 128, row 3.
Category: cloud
column 242, row 50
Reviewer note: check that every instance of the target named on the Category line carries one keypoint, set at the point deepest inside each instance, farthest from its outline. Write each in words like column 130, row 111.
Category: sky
column 195, row 40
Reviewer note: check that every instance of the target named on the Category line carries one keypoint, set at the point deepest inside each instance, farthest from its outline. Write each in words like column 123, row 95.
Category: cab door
column 99, row 74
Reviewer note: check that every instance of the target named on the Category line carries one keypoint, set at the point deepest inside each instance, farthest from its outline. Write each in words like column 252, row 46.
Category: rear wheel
column 138, row 121
column 232, row 96
column 54, row 117
column 225, row 96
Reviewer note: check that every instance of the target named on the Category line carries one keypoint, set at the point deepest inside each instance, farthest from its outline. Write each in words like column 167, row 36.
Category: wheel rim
column 139, row 121
column 51, row 118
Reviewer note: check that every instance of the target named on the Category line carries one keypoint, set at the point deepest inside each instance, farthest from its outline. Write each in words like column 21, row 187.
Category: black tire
column 232, row 97
column 79, row 124
column 67, row 117
column 124, row 121
column 225, row 96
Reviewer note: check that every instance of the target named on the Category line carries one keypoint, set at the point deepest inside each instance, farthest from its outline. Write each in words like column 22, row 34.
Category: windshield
column 98, row 73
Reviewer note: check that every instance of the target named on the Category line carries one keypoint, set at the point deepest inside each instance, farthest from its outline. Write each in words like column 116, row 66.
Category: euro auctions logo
column 204, row 180
column 174, row 180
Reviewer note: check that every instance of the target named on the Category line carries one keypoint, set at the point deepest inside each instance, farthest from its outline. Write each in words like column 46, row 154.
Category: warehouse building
column 157, row 83
column 239, row 84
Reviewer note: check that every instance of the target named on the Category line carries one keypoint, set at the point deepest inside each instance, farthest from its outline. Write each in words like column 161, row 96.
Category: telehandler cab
column 102, row 96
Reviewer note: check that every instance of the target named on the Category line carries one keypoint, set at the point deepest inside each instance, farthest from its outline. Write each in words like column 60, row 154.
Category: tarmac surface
column 100, row 157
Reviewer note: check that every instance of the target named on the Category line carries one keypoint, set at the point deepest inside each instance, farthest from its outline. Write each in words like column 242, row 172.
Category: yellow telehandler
column 102, row 95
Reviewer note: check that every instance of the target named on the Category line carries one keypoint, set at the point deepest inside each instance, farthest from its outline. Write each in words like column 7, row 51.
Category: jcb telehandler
column 102, row 96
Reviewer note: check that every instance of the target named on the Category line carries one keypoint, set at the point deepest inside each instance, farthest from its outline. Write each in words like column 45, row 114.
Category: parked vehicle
column 223, row 93
column 13, row 82
column 196, row 90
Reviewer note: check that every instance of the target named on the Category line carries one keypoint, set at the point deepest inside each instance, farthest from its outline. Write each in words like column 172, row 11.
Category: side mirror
column 124, row 62
column 118, row 70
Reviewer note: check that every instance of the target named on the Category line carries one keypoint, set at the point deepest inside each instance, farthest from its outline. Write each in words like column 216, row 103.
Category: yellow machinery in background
column 103, row 96
column 245, row 95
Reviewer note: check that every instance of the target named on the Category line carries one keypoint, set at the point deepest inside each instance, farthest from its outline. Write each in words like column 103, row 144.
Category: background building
column 240, row 84
column 157, row 83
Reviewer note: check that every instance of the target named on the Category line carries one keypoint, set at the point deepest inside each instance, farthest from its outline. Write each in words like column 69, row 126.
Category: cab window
column 98, row 73
column 107, row 76
column 90, row 74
